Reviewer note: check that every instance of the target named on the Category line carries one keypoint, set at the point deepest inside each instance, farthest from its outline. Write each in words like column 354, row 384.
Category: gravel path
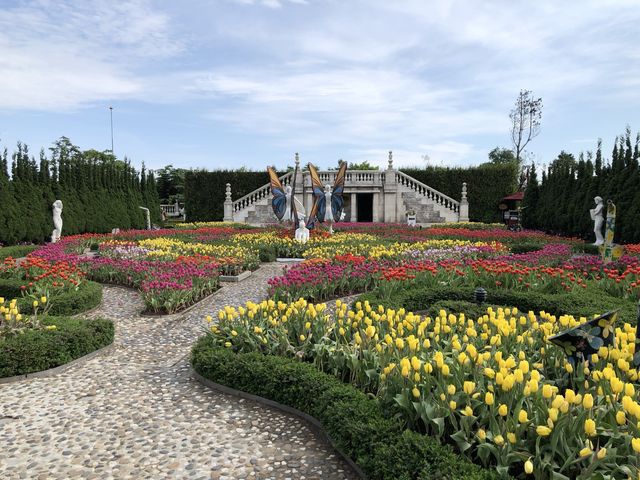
column 137, row 413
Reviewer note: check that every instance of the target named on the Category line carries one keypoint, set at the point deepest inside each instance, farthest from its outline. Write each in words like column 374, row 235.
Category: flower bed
column 356, row 424
column 532, row 272
column 36, row 342
column 494, row 386
column 166, row 287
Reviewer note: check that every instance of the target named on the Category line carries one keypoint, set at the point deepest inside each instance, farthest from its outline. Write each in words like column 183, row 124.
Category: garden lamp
column 480, row 295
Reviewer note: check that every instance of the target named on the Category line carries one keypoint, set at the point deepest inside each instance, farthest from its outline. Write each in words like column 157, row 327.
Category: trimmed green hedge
column 487, row 184
column 204, row 192
column 88, row 296
column 37, row 350
column 583, row 303
column 358, row 427
column 16, row 251
column 10, row 288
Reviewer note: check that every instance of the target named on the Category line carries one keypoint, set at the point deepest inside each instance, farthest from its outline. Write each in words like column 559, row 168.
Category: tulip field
column 481, row 377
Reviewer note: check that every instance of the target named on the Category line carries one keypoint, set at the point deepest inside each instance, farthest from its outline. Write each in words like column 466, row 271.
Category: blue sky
column 230, row 83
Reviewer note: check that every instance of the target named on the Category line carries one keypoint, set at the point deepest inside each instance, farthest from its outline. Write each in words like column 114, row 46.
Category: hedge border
column 39, row 350
column 347, row 415
column 60, row 368
column 16, row 251
column 576, row 303
column 313, row 422
column 74, row 302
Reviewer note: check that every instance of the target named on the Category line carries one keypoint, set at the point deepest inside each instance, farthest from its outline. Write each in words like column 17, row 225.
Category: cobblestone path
column 136, row 412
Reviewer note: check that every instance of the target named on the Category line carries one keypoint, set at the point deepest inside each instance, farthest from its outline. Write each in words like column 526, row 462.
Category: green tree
column 502, row 156
column 365, row 165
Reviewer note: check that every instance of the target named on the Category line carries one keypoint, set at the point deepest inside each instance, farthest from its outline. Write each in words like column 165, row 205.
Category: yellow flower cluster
column 403, row 248
column 490, row 380
column 9, row 311
column 195, row 225
column 172, row 248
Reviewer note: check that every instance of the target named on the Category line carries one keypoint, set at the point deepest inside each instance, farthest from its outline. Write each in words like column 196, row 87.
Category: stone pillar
column 228, row 205
column 463, row 214
column 354, row 208
column 298, row 177
column 390, row 188
column 376, row 207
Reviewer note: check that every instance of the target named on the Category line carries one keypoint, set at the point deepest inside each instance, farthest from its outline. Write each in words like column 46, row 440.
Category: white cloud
column 363, row 76
column 64, row 55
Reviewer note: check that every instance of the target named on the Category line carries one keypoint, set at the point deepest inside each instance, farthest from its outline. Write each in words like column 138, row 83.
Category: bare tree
column 525, row 121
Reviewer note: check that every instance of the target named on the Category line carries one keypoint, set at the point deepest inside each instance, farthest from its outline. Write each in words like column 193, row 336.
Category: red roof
column 515, row 196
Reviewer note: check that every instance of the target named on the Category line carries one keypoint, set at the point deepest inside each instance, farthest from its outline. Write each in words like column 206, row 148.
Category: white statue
column 147, row 217
column 328, row 215
column 57, row 221
column 302, row 233
column 597, row 216
column 299, row 207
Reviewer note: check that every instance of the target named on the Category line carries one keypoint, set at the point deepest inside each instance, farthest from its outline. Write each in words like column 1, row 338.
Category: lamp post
column 111, row 115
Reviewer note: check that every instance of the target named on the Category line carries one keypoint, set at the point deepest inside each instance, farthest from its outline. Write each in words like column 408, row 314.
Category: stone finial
column 228, row 192
column 297, row 160
column 464, row 190
column 390, row 160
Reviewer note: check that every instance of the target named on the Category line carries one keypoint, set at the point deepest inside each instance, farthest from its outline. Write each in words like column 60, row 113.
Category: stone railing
column 352, row 178
column 428, row 192
column 259, row 194
column 171, row 210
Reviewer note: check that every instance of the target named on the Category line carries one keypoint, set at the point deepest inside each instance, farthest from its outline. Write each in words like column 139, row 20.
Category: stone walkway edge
column 312, row 421
column 60, row 368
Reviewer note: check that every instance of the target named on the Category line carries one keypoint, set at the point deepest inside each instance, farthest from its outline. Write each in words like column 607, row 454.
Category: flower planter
column 235, row 278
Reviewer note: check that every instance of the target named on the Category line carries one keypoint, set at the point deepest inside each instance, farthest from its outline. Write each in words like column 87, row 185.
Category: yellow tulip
column 498, row 440
column 468, row 387
column 587, row 401
column 547, row 390
column 585, row 452
column 415, row 392
column 503, row 410
column 522, row 416
column 601, row 453
column 590, row 427
column 481, row 434
column 635, row 444
column 511, row 437
column 488, row 398
column 528, row 467
column 543, row 431
column 621, row 418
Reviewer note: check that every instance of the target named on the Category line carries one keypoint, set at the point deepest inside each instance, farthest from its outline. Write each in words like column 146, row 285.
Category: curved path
column 137, row 413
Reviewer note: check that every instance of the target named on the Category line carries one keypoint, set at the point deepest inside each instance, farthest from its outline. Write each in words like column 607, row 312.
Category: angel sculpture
column 327, row 201
column 284, row 204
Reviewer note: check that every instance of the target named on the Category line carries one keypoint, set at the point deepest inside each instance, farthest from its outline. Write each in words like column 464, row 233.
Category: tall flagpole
column 111, row 114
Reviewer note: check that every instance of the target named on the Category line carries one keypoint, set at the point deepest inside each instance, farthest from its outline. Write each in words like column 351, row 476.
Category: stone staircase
column 261, row 213
column 425, row 210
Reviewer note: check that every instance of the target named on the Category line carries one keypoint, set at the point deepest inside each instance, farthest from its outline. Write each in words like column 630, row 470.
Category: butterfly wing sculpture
column 337, row 200
column 279, row 201
column 580, row 342
column 293, row 201
column 319, row 208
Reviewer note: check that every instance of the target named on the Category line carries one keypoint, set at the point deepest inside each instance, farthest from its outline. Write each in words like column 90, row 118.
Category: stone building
column 370, row 196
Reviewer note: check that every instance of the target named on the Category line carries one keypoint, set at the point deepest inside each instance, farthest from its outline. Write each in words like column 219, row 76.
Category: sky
column 231, row 83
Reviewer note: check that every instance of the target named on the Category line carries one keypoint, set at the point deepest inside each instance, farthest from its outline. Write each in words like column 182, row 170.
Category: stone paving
column 137, row 413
